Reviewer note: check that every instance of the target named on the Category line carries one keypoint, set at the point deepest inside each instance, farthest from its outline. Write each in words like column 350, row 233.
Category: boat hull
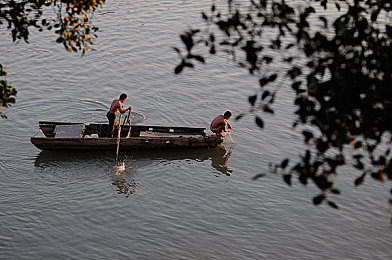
column 78, row 136
column 133, row 143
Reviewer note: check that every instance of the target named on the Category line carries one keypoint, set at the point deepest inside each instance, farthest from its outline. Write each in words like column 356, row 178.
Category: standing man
column 220, row 124
column 114, row 107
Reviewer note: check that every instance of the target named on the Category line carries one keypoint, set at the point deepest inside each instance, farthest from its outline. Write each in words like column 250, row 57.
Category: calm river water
column 187, row 204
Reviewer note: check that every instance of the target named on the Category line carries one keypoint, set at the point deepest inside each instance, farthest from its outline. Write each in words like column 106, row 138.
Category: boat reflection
column 124, row 182
column 219, row 157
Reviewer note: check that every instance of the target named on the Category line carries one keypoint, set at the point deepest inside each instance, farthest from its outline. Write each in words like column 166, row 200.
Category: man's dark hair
column 227, row 114
column 123, row 96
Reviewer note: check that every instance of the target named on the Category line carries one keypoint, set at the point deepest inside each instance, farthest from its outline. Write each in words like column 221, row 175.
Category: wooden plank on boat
column 48, row 127
column 69, row 131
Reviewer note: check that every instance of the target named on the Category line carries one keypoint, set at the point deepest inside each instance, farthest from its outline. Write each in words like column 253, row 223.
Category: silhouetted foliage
column 7, row 93
column 71, row 22
column 341, row 74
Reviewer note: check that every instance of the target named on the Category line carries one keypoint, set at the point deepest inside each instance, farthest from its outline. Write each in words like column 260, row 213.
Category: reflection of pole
column 118, row 138
column 124, row 187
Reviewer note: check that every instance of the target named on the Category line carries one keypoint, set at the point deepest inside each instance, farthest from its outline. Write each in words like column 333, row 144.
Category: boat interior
column 94, row 130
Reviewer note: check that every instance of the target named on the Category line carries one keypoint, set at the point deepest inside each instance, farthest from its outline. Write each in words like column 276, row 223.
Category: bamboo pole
column 118, row 138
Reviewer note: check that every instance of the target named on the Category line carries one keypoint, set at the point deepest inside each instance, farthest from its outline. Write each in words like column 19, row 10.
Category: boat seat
column 70, row 131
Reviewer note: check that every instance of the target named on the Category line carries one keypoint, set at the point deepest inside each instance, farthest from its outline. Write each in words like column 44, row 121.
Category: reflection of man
column 220, row 124
column 114, row 107
column 219, row 160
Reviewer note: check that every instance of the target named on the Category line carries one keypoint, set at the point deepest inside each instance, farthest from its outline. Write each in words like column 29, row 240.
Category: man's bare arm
column 124, row 111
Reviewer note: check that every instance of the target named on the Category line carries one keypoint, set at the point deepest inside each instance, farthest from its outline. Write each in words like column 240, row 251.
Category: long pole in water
column 118, row 138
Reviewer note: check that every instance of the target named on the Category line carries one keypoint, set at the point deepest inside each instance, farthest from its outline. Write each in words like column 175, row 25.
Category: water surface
column 181, row 204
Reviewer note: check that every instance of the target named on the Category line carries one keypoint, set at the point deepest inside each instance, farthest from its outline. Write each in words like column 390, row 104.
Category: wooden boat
column 79, row 136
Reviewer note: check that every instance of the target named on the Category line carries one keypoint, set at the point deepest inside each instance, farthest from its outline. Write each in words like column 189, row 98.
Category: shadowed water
column 177, row 204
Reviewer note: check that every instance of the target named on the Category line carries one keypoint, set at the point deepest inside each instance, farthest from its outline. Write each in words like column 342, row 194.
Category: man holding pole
column 114, row 107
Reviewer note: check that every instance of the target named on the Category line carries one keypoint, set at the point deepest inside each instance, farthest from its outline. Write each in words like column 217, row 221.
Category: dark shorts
column 111, row 118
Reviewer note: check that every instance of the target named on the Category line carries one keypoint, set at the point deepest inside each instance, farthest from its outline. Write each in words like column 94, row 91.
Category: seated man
column 220, row 124
column 111, row 115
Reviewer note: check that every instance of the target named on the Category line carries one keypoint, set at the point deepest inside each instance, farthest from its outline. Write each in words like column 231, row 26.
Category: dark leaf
column 371, row 147
column 335, row 191
column 223, row 43
column 360, row 180
column 382, row 160
column 212, row 38
column 212, row 49
column 177, row 50
column 287, row 179
column 318, row 199
column 296, row 85
column 377, row 176
column 322, row 146
column 239, row 116
column 268, row 59
column 187, row 40
column 294, row 72
column 260, row 175
column 267, row 109
column 358, row 144
column 359, row 165
column 284, row 163
column 263, row 82
column 389, row 30
column 308, row 135
column 375, row 14
column 252, row 99
column 273, row 77
column 324, row 3
column 310, row 9
column 333, row 204
column 324, row 20
column 259, row 122
column 195, row 31
column 265, row 94
column 198, row 58
column 289, row 46
column 179, row 68
column 303, row 179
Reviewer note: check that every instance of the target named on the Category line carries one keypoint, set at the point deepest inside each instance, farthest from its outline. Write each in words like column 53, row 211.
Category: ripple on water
column 5, row 164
